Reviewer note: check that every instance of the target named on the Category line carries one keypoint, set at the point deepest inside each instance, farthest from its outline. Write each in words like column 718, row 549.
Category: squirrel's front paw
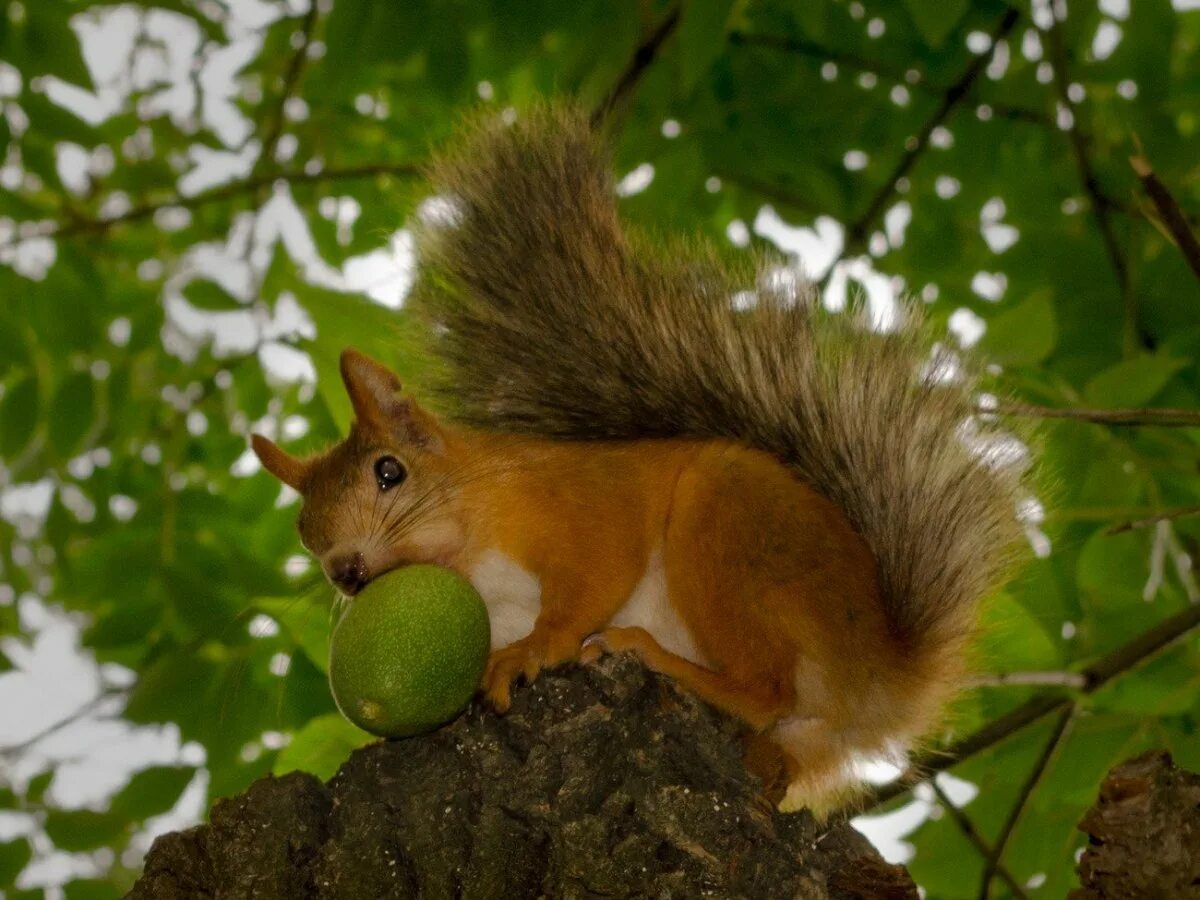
column 524, row 658
column 503, row 667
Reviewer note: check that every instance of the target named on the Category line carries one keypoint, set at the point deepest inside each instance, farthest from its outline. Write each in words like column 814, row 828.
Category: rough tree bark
column 1143, row 833
column 602, row 781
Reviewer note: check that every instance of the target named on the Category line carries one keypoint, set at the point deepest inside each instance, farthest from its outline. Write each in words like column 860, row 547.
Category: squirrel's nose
column 349, row 573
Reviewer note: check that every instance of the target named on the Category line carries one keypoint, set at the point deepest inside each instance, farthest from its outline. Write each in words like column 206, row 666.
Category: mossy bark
column 1143, row 833
column 603, row 781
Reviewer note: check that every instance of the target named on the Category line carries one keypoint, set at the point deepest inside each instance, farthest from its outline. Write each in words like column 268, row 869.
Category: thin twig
column 855, row 63
column 992, row 866
column 954, row 94
column 1101, row 206
column 1168, row 208
column 1142, row 210
column 12, row 750
column 1163, row 417
column 1026, row 679
column 967, row 827
column 775, row 192
column 1167, row 516
column 291, row 81
column 643, row 56
column 1129, row 655
column 230, row 191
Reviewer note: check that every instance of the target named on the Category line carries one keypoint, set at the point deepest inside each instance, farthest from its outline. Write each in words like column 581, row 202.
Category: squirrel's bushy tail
column 555, row 320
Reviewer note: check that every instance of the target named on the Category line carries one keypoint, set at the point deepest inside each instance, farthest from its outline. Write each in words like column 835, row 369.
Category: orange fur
column 775, row 590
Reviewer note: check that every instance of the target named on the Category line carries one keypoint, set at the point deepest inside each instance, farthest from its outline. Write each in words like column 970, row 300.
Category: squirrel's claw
column 525, row 659
column 519, row 659
column 593, row 649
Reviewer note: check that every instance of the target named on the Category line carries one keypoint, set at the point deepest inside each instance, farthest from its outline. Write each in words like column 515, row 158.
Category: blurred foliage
column 122, row 253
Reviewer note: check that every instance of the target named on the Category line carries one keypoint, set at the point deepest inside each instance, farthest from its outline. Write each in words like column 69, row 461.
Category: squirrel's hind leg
column 820, row 772
column 758, row 702
column 803, row 762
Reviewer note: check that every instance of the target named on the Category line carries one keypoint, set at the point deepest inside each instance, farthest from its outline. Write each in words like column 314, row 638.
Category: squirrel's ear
column 287, row 468
column 372, row 387
column 375, row 395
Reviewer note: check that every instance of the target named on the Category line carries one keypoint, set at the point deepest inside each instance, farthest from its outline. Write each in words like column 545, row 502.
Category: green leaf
column 18, row 416
column 1013, row 639
column 936, row 21
column 91, row 889
column 703, row 30
column 1112, row 569
column 14, row 856
column 1165, row 685
column 306, row 621
column 71, row 412
column 1023, row 334
column 76, row 830
column 1047, row 836
column 44, row 44
column 53, row 121
column 151, row 792
column 1132, row 382
column 212, row 30
column 447, row 56
column 37, row 786
column 362, row 32
column 321, row 746
column 163, row 687
column 210, row 296
column 13, row 352
column 349, row 320
column 813, row 17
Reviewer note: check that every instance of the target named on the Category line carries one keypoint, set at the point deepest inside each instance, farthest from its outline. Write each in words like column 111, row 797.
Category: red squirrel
column 655, row 450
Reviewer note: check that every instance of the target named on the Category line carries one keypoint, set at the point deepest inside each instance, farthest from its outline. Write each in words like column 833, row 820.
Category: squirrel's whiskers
column 771, row 504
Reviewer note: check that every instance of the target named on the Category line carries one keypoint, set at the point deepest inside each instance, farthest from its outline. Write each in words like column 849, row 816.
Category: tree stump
column 601, row 781
column 1143, row 833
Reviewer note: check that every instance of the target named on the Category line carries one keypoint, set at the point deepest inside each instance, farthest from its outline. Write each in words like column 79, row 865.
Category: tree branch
column 1167, row 516
column 1162, row 417
column 773, row 192
column 993, row 859
column 967, row 827
column 1122, row 659
column 230, row 191
column 1091, row 185
column 1168, row 208
column 855, row 63
column 89, row 707
column 1012, row 679
column 643, row 56
column 857, row 230
column 291, row 80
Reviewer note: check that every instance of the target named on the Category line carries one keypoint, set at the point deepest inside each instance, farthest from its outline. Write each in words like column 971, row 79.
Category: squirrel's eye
column 388, row 472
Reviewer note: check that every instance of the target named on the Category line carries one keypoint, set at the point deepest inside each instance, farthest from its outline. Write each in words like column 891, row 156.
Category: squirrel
column 789, row 511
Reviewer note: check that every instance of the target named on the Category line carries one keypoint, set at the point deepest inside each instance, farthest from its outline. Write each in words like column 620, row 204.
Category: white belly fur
column 649, row 608
column 512, row 594
column 513, row 597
